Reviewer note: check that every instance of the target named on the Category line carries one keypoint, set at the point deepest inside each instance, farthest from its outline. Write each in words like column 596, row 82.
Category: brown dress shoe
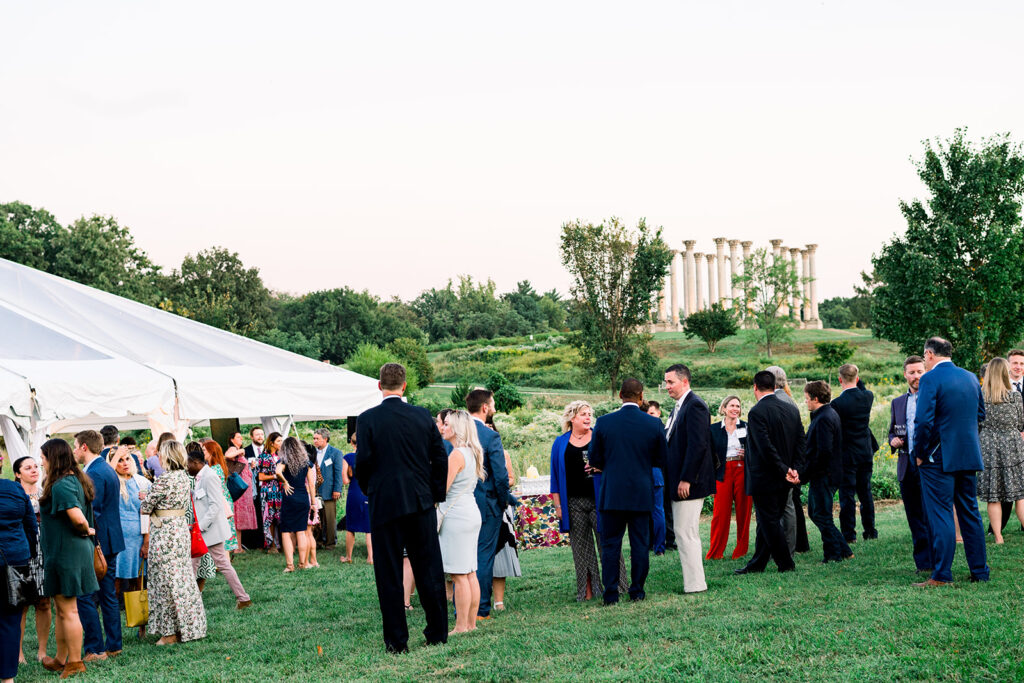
column 72, row 668
column 113, row 653
column 932, row 583
column 242, row 604
column 51, row 664
column 93, row 657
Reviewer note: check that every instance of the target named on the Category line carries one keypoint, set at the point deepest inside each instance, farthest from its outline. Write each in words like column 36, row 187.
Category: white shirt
column 732, row 451
column 320, row 456
column 675, row 411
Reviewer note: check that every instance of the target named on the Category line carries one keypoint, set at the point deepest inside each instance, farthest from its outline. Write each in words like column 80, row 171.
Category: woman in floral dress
column 270, row 489
column 245, row 509
column 215, row 459
column 175, row 606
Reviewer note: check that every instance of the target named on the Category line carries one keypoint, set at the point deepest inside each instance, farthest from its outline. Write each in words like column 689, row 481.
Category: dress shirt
column 320, row 456
column 911, row 417
column 675, row 412
column 732, row 450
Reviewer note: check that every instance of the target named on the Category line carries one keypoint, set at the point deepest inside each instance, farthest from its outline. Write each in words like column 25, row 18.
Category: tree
column 833, row 354
column 458, row 395
column 25, row 235
column 526, row 303
column 410, row 353
column 835, row 312
column 617, row 273
column 367, row 360
column 956, row 271
column 215, row 287
column 296, row 342
column 506, row 396
column 553, row 308
column 711, row 325
column 767, row 284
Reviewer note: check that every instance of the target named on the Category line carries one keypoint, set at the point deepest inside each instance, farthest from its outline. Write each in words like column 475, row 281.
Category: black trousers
column 913, row 506
column 856, row 484
column 819, row 506
column 802, row 544
column 613, row 527
column 670, row 538
column 771, row 538
column 416, row 533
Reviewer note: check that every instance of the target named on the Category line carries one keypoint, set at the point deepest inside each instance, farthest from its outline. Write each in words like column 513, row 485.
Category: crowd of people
column 433, row 496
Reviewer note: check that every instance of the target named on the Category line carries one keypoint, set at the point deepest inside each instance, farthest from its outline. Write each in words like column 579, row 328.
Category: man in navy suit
column 330, row 460
column 903, row 415
column 88, row 445
column 492, row 494
column 627, row 444
column 853, row 404
column 947, row 451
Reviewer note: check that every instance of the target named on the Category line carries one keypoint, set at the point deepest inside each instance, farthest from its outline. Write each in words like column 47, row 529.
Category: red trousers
column 725, row 493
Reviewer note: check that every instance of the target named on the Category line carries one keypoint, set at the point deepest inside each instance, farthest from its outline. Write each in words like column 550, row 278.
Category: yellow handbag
column 136, row 604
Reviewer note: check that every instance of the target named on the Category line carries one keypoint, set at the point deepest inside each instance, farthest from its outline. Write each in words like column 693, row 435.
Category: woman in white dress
column 459, row 518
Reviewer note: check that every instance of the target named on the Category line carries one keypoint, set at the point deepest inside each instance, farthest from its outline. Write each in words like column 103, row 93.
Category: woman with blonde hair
column 134, row 526
column 729, row 443
column 459, row 518
column 1002, row 448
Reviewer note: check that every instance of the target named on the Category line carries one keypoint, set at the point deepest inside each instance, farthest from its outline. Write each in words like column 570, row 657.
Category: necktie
column 672, row 419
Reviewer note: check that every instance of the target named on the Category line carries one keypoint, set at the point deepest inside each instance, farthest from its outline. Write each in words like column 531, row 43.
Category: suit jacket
column 492, row 494
column 330, row 470
column 824, row 447
column 720, row 445
column 950, row 407
column 211, row 507
column 854, row 409
column 401, row 465
column 626, row 446
column 690, row 457
column 898, row 418
column 105, row 506
column 775, row 443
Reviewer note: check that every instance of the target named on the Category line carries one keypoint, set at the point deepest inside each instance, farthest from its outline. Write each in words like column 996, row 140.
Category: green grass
column 859, row 620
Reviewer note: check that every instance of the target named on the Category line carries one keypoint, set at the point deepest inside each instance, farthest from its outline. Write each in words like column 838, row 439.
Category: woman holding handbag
column 17, row 547
column 128, row 570
column 175, row 605
column 245, row 508
column 68, row 549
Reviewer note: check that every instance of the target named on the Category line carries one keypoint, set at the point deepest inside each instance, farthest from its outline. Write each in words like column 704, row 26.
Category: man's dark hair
column 632, row 389
column 819, row 391
column 764, row 381
column 911, row 360
column 128, row 441
column 654, row 404
column 1014, row 352
column 392, row 376
column 940, row 347
column 477, row 399
column 110, row 435
column 254, row 429
column 196, row 455
column 681, row 371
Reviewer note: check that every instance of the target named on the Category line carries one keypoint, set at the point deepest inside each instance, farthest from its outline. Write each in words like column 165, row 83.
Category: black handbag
column 236, row 486
column 20, row 588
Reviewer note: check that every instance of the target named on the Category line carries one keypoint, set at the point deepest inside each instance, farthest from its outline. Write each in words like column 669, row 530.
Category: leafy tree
column 617, row 273
column 296, row 342
column 526, row 303
column 553, row 308
column 25, row 234
column 215, row 287
column 835, row 312
column 833, row 354
column 767, row 284
column 367, row 360
column 506, row 396
column 439, row 308
column 711, row 325
column 459, row 393
column 956, row 272
column 410, row 353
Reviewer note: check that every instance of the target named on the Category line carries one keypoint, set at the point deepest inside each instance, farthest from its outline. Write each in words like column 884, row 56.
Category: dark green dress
column 67, row 556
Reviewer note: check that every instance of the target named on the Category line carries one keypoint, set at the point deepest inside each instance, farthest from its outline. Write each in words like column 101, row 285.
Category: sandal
column 409, row 607
column 289, row 569
column 500, row 606
column 343, row 560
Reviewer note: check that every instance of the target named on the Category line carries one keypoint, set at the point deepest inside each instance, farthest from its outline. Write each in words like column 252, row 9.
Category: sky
column 391, row 146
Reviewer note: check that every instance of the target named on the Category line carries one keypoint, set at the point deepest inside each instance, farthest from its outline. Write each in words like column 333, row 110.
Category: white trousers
column 685, row 521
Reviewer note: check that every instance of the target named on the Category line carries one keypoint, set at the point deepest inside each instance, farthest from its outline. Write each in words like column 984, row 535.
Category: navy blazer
column 17, row 525
column 331, row 472
column 854, row 408
column 950, row 407
column 720, row 445
column 775, row 443
column 626, row 446
column 492, row 494
column 824, row 447
column 898, row 417
column 105, row 506
column 690, row 457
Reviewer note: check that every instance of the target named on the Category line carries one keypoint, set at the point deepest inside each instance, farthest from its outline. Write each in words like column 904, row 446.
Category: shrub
column 458, row 396
column 506, row 396
column 410, row 353
column 711, row 325
column 368, row 358
column 834, row 354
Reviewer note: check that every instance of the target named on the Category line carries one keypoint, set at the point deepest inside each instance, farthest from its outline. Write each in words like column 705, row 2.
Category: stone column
column 723, row 285
column 662, row 309
column 733, row 268
column 776, row 247
column 699, row 269
column 806, row 287
column 691, row 277
column 746, row 254
column 674, row 289
column 712, row 280
column 781, row 254
column 815, row 321
column 794, row 255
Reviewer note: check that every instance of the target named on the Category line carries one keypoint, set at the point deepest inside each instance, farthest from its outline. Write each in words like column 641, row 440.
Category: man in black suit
column 627, row 444
column 775, row 451
column 859, row 445
column 402, row 467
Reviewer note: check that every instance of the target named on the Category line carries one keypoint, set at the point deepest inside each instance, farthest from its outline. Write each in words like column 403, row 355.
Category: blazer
column 854, row 409
column 824, row 447
column 949, row 409
column 401, row 465
column 626, row 446
column 720, row 445
column 492, row 494
column 559, row 486
column 775, row 443
column 330, row 470
column 898, row 417
column 210, row 507
column 105, row 506
column 689, row 453
column 17, row 524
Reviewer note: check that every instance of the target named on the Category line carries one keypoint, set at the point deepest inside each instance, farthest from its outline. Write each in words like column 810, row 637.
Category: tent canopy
column 77, row 357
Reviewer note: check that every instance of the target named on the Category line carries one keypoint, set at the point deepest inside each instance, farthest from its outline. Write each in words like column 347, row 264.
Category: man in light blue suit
column 947, row 450
column 331, row 461
column 492, row 494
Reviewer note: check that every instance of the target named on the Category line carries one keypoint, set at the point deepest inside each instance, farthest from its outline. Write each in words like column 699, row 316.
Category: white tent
column 74, row 357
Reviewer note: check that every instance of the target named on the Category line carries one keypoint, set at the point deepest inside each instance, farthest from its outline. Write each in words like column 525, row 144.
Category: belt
column 168, row 513
column 734, row 458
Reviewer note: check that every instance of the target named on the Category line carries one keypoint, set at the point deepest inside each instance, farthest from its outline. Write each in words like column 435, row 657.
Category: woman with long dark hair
column 28, row 474
column 270, row 489
column 297, row 480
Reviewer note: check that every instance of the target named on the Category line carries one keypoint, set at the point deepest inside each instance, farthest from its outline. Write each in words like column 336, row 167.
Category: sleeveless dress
column 1002, row 451
column 245, row 508
column 128, row 560
column 460, row 528
column 357, row 505
column 295, row 508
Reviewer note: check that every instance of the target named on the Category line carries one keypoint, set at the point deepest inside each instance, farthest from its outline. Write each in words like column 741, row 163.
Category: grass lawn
column 859, row 620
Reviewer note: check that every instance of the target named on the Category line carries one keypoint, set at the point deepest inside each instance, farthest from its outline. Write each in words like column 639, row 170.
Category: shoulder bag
column 99, row 561
column 198, row 544
column 236, row 486
column 136, row 603
column 20, row 587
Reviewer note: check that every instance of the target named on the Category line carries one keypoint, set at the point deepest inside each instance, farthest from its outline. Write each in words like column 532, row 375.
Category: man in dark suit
column 402, row 467
column 331, row 463
column 859, row 445
column 492, row 494
column 948, row 452
column 902, row 416
column 627, row 444
column 793, row 521
column 253, row 538
column 823, row 468
column 691, row 472
column 775, row 451
column 88, row 445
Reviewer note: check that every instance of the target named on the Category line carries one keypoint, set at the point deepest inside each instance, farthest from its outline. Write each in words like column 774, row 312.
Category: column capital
column 746, row 244
column 734, row 243
column 710, row 257
column 812, row 247
column 720, row 241
column 775, row 243
column 697, row 255
column 689, row 244
column 794, row 251
column 804, row 252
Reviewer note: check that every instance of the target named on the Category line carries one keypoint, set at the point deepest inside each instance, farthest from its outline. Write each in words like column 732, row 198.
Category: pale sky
column 389, row 146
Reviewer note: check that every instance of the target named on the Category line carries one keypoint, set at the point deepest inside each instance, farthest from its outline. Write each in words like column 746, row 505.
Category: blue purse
column 236, row 486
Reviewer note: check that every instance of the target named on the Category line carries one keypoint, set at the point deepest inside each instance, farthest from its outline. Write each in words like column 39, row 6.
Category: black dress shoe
column 747, row 570
column 788, row 569
column 978, row 579
column 871, row 537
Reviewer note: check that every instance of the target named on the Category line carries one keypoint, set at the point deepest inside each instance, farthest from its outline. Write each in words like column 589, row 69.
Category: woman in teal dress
column 65, row 509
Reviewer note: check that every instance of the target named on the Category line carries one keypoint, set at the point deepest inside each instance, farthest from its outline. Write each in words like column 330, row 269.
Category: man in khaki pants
column 331, row 463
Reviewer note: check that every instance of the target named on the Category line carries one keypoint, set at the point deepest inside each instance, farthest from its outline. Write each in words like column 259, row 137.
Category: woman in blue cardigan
column 574, row 488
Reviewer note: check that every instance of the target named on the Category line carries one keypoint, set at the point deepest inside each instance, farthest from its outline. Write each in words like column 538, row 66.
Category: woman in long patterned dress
column 215, row 459
column 1002, row 448
column 270, row 489
column 175, row 606
column 245, row 508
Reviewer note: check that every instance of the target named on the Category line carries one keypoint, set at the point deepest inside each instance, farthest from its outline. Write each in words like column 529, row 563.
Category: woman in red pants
column 729, row 442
